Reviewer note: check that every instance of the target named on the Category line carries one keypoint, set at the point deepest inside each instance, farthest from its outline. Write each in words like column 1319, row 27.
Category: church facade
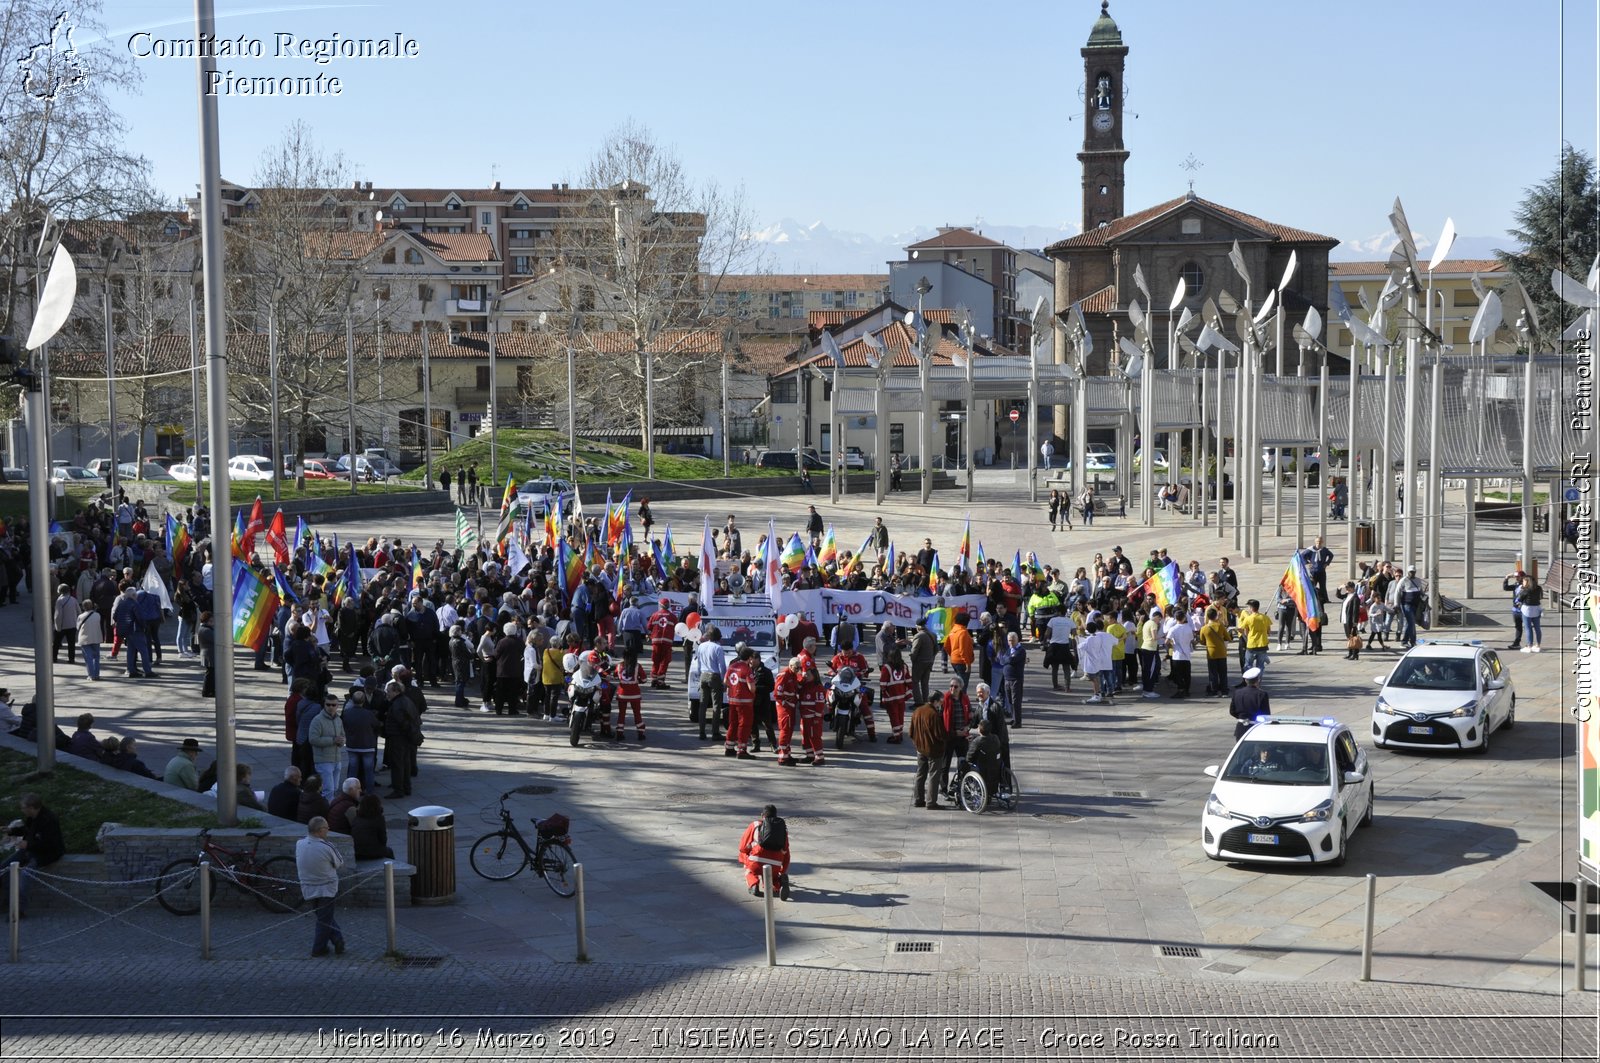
column 1187, row 237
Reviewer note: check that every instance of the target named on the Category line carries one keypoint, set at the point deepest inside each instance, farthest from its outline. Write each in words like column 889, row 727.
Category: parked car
column 74, row 474
column 185, row 470
column 148, row 471
column 1159, row 460
column 16, row 476
column 315, row 469
column 249, row 467
column 854, row 458
column 784, row 459
column 100, row 466
column 369, row 470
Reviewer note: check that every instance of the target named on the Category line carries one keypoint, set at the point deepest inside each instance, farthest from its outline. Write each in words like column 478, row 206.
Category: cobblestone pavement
column 1059, row 909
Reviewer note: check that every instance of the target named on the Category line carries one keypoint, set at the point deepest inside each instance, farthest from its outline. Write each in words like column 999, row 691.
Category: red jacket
column 956, row 714
column 628, row 681
column 797, row 638
column 786, row 688
column 740, row 683
column 849, row 659
column 661, row 625
column 894, row 687
column 752, row 856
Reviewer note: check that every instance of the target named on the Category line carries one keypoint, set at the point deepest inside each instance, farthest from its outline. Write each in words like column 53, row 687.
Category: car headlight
column 1320, row 813
column 1217, row 808
column 1469, row 709
column 1383, row 705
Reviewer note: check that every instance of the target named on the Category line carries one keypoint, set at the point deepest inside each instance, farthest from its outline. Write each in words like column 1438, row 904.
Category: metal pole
column 880, row 408
column 572, row 417
column 1202, row 451
column 494, row 415
column 111, row 389
column 1352, row 425
column 1322, row 448
column 14, row 912
column 205, row 890
column 727, row 461
column 925, row 430
column 1433, row 516
column 1527, row 461
column 1222, row 447
column 836, row 445
column 1234, row 418
column 350, row 397
column 39, row 550
column 1147, row 440
column 427, row 411
column 649, row 413
column 1300, row 458
column 971, row 401
column 217, row 405
column 272, row 371
column 1580, row 929
column 771, row 915
column 583, row 921
column 1383, row 475
column 388, row 905
column 1033, row 421
column 1408, row 516
column 194, row 386
column 1366, row 933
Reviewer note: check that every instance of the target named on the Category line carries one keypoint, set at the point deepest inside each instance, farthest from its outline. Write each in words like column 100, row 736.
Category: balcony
column 478, row 398
column 466, row 306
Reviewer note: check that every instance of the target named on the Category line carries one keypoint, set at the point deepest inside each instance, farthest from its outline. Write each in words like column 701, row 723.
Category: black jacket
column 43, row 834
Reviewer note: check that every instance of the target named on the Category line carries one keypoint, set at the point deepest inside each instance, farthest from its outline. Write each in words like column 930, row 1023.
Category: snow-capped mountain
column 1378, row 246
column 793, row 247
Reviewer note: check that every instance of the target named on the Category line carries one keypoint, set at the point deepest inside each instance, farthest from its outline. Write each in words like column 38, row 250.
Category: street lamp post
column 426, row 295
column 494, row 408
column 272, row 387
column 199, row 459
column 111, row 375
column 924, row 358
column 350, row 384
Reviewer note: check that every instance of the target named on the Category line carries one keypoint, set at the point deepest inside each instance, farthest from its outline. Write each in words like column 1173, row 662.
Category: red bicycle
column 274, row 883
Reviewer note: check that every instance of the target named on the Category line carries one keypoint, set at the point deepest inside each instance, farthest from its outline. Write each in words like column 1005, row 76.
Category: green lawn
column 526, row 453
column 83, row 801
column 14, row 501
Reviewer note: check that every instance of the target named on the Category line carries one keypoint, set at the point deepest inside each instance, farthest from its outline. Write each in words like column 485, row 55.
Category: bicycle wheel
column 277, row 886
column 178, row 886
column 498, row 856
column 555, row 862
column 974, row 794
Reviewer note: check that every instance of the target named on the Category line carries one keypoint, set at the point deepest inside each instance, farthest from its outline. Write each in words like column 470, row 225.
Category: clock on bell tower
column 1103, row 156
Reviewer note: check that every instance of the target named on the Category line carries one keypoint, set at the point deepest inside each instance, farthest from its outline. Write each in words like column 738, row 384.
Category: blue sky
column 877, row 117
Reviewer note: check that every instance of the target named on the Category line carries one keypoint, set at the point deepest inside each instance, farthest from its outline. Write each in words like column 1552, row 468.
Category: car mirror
column 1497, row 684
column 1353, row 777
column 1378, row 679
column 1212, row 770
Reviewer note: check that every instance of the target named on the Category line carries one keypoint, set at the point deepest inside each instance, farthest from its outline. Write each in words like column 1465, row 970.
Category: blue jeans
column 1255, row 659
column 185, row 635
column 361, row 765
column 91, row 658
column 1408, row 623
column 328, row 932
column 138, row 651
column 1535, row 628
column 331, row 779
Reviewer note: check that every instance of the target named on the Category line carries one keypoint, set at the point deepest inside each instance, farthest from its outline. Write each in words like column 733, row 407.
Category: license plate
column 1261, row 839
column 1423, row 730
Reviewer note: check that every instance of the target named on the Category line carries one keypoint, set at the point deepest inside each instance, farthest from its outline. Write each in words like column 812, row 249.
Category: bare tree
column 61, row 149
column 295, row 255
column 642, row 248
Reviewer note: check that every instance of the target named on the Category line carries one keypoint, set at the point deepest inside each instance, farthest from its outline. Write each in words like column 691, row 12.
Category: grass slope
column 526, row 453
column 83, row 801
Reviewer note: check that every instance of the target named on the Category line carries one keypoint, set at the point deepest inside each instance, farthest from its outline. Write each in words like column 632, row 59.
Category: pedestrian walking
column 317, row 862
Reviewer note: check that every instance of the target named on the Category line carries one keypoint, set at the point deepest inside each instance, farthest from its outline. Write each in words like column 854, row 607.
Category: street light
column 111, row 369
column 494, row 410
column 425, row 295
column 924, row 359
column 272, row 372
column 350, row 377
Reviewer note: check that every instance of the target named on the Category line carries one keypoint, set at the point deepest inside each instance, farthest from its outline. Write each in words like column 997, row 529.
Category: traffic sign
column 1570, row 494
column 1016, row 415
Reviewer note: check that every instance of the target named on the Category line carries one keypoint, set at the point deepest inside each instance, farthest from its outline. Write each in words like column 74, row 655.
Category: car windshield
column 1434, row 673
column 1278, row 763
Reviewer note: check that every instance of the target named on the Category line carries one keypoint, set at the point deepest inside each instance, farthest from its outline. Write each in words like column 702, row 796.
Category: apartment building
column 781, row 302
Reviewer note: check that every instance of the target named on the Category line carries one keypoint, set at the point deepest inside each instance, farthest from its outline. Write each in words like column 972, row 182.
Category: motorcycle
column 590, row 693
column 846, row 705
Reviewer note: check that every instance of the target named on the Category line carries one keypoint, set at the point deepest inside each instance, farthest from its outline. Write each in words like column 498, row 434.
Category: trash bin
column 431, row 848
column 1366, row 537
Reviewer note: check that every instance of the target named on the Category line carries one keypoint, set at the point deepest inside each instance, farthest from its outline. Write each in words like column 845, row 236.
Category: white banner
column 824, row 606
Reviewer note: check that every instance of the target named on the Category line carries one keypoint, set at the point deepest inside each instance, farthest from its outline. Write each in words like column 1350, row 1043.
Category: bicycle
column 494, row 857
column 274, row 883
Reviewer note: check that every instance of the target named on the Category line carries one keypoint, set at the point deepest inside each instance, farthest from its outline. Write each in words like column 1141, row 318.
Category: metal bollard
column 205, row 909
column 14, row 892
column 583, row 923
column 1366, row 935
column 772, row 923
column 388, row 902
column 1580, row 926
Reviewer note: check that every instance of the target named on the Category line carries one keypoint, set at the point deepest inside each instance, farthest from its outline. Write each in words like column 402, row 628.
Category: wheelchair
column 968, row 789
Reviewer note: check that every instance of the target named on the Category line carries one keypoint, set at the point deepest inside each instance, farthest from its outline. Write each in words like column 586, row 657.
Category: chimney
column 368, row 188
column 355, row 186
column 496, row 186
column 555, row 187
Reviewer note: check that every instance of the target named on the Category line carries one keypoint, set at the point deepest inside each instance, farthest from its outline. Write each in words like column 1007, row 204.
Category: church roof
column 1105, row 33
column 1107, row 233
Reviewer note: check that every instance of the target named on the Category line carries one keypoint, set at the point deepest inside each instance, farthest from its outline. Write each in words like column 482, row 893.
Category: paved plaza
column 1093, row 899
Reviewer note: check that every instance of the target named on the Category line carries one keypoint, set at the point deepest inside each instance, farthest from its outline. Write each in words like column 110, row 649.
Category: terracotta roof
column 1105, row 234
column 897, row 337
column 459, row 247
column 768, row 355
column 798, row 282
column 342, row 244
column 817, row 319
column 434, row 196
column 1101, row 302
column 1463, row 266
column 247, row 351
column 955, row 238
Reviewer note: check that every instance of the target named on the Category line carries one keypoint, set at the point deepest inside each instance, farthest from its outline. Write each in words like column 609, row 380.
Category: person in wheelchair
column 986, row 757
column 990, row 711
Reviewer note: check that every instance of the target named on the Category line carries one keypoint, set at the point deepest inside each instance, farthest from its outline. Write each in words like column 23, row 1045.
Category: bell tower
column 1103, row 156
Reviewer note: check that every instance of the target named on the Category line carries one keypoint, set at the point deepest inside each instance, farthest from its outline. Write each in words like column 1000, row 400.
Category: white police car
column 1291, row 792
column 1444, row 695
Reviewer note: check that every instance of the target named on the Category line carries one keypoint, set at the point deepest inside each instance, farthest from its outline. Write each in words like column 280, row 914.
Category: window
column 850, row 299
column 784, row 392
column 827, row 300
column 522, row 234
column 423, row 293
column 452, row 205
column 1104, row 190
column 388, row 257
column 838, row 300
column 521, row 264
column 1466, row 297
column 413, row 257
column 420, row 384
column 773, row 312
column 481, row 377
column 518, row 325
column 797, row 308
column 1194, row 278
column 488, row 218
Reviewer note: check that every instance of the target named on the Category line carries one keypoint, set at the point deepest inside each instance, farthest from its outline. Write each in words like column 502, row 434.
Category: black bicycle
column 503, row 854
column 274, row 883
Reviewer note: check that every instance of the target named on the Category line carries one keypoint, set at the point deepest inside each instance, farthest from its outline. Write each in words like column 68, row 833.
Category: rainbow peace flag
column 860, row 557
column 933, row 574
column 964, row 551
column 177, row 541
column 508, row 504
column 1016, row 564
column 316, row 565
column 1297, row 584
column 605, row 519
column 302, row 532
column 981, row 559
column 625, row 540
column 939, row 622
column 661, row 564
column 794, row 553
column 349, row 583
column 1163, row 585
column 237, row 545
column 889, row 562
column 416, row 570
column 670, row 551
column 809, row 560
column 281, row 584
column 552, row 522
column 571, row 565
column 254, row 603
column 829, row 554
column 1035, row 568
column 616, row 518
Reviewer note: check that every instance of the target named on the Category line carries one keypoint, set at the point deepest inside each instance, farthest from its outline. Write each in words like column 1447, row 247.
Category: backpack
column 773, row 834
